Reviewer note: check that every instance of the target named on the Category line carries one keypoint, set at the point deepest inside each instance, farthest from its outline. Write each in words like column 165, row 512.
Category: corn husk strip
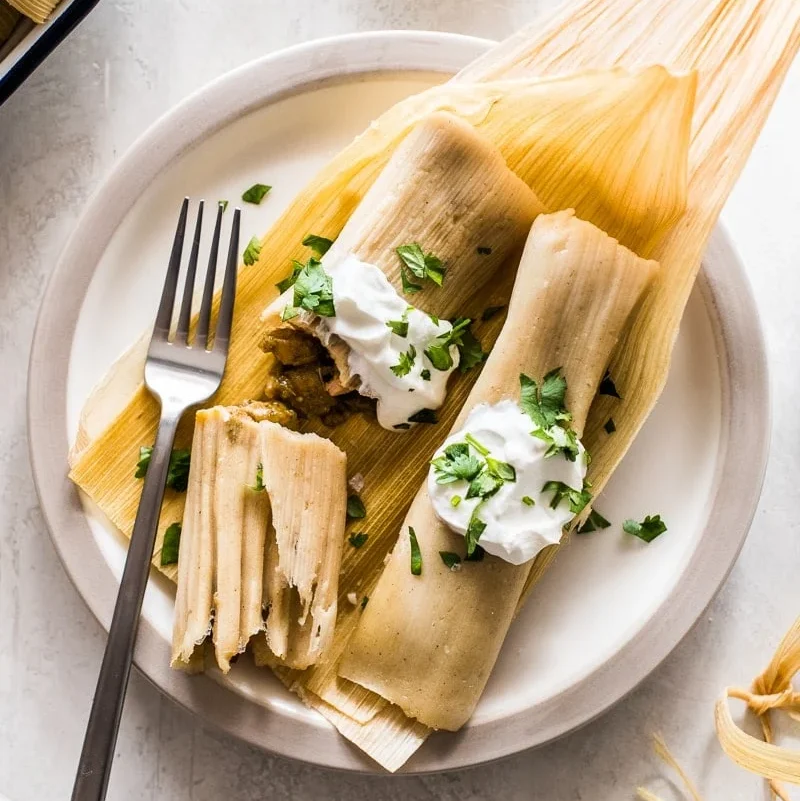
column 8, row 20
column 665, row 755
column 305, row 478
column 37, row 10
column 428, row 643
column 771, row 690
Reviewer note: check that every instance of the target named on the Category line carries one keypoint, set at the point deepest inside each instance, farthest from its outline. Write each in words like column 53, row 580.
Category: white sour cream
column 364, row 301
column 515, row 531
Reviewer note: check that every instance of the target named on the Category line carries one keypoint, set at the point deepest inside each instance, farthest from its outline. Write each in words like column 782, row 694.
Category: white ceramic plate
column 608, row 611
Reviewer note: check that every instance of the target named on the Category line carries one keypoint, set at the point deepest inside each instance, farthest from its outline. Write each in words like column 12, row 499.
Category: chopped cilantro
column 252, row 251
column 502, row 470
column 607, row 386
column 484, row 485
column 475, row 528
column 424, row 416
column 171, row 545
column 223, row 205
column 313, row 290
column 319, row 244
column 450, row 559
column 475, row 444
column 594, row 522
column 528, row 501
column 177, row 472
column 439, row 353
column 256, row 193
column 288, row 313
column 416, row 554
column 647, row 530
column 297, row 268
column 476, row 556
column 259, row 485
column 610, row 426
column 355, row 507
column 491, row 311
column 455, row 501
column 400, row 327
column 407, row 358
column 561, row 491
column 357, row 539
column 421, row 265
column 545, row 406
column 425, row 375
column 456, row 464
column 402, row 426
column 364, row 601
column 484, row 251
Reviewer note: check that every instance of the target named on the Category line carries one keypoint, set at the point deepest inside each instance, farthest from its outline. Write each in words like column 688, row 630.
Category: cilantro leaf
column 475, row 528
column 252, row 251
column 297, row 268
column 355, row 507
column 145, row 453
column 450, row 559
column 425, row 375
column 647, row 530
column 456, row 464
column 528, row 501
column 545, row 404
column 357, row 539
column 503, row 470
column 313, row 290
column 424, row 416
column 484, row 485
column 170, row 547
column 421, row 265
column 610, row 426
column 364, row 601
column 439, row 353
column 259, row 485
column 607, row 387
column 409, row 286
column 400, row 327
column 594, row 522
column 405, row 363
column 491, row 311
column 288, row 313
column 470, row 350
column 255, row 194
column 416, row 554
column 319, row 244
column 177, row 472
column 577, row 498
column 476, row 556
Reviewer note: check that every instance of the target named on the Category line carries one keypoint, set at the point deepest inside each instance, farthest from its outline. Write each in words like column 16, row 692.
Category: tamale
column 428, row 643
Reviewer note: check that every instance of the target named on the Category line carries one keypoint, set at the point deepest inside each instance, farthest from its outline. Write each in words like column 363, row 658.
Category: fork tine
column 164, row 316
column 201, row 339
column 225, row 317
column 182, row 332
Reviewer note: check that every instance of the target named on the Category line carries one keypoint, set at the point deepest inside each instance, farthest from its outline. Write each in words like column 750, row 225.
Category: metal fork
column 180, row 375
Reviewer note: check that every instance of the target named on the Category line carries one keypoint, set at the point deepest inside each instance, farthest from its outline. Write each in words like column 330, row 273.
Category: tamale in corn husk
column 741, row 51
column 428, row 643
column 262, row 538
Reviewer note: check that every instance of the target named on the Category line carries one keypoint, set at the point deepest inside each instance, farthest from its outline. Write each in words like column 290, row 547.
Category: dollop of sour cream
column 516, row 529
column 365, row 301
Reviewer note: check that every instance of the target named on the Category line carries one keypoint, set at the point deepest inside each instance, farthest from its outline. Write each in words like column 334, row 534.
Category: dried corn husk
column 665, row 755
column 428, row 643
column 740, row 49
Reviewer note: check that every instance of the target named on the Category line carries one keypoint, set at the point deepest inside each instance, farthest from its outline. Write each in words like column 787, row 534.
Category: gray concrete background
column 59, row 136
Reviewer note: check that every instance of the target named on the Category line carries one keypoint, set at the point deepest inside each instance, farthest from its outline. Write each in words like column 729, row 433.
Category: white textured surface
column 59, row 135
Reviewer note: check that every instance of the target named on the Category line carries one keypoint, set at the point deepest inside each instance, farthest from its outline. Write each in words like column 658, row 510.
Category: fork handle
column 94, row 767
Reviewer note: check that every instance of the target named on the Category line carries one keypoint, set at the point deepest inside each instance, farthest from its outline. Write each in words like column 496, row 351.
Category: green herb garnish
column 455, row 501
column 364, row 601
column 484, row 251
column 256, row 193
column 402, row 426
column 545, row 406
column 223, row 205
column 484, row 485
column 288, row 313
column 313, row 290
column 607, row 386
column 259, row 485
column 528, row 501
column 425, row 375
column 594, row 522
column 561, row 491
column 297, row 268
column 171, row 545
column 416, row 554
column 421, row 265
column 177, row 472
column 647, row 530
column 252, row 251
column 477, row 445
column 400, row 327
column 470, row 351
column 357, row 539
column 610, row 426
column 456, row 464
column 476, row 556
column 439, row 353
column 491, row 311
column 424, row 416
column 355, row 507
column 475, row 528
column 450, row 559
column 319, row 244
column 406, row 362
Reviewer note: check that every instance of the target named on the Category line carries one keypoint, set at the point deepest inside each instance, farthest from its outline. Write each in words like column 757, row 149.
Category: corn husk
column 428, row 643
column 37, row 10
column 665, row 755
column 741, row 51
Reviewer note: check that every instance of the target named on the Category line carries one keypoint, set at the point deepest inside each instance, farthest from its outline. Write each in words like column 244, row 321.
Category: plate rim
column 745, row 418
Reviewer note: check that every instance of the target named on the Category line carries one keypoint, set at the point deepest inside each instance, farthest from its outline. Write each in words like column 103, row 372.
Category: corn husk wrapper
column 37, row 10
column 428, row 642
column 741, row 51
